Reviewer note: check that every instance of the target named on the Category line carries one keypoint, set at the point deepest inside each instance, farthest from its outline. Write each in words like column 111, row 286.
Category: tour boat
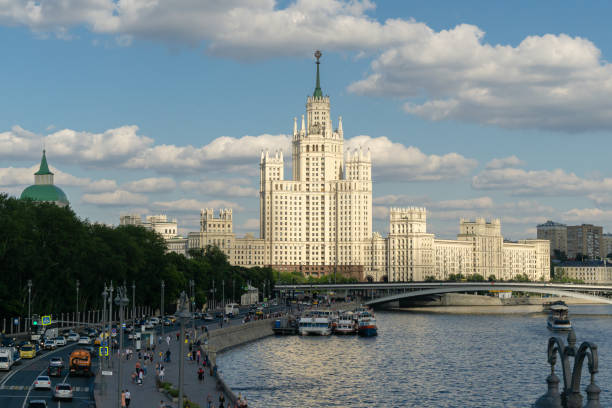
column 558, row 319
column 345, row 325
column 313, row 325
column 366, row 325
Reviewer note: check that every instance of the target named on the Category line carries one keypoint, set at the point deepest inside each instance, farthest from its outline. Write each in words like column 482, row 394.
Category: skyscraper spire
column 317, row 92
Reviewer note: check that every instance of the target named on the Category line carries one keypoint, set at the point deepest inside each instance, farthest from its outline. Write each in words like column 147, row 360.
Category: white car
column 149, row 325
column 49, row 344
column 154, row 320
column 63, row 391
column 60, row 341
column 74, row 337
column 42, row 382
column 84, row 340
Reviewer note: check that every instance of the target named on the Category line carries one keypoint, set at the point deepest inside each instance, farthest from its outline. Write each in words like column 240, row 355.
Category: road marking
column 25, row 400
column 29, row 363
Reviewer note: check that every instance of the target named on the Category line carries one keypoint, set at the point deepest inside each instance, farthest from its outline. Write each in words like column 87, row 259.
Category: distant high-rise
column 585, row 239
column 556, row 233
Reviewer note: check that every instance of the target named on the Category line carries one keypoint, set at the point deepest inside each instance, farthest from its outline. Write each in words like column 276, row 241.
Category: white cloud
column 115, row 198
column 22, row 176
column 151, row 185
column 505, row 162
column 71, row 146
column 223, row 153
column 585, row 215
column 229, row 187
column 553, row 82
column 556, row 182
column 392, row 160
column 458, row 204
column 190, row 204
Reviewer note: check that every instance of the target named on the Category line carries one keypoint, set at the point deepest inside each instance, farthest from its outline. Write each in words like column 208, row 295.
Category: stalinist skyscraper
column 321, row 219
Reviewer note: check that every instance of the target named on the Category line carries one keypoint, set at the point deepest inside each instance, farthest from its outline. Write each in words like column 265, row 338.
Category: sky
column 470, row 109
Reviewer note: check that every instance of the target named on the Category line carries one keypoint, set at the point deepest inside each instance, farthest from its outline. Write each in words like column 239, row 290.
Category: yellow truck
column 80, row 363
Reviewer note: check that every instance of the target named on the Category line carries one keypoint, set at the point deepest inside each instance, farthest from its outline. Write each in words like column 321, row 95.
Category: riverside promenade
column 147, row 395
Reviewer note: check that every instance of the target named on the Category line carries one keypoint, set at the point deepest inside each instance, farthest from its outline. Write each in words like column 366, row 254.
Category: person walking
column 123, row 399
column 168, row 339
column 162, row 372
column 128, row 398
column 198, row 355
column 221, row 400
column 209, row 400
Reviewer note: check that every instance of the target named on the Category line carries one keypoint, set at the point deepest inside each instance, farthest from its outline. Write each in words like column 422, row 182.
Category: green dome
column 45, row 192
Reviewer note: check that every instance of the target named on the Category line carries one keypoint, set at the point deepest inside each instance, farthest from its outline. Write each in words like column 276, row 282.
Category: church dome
column 45, row 192
column 43, row 189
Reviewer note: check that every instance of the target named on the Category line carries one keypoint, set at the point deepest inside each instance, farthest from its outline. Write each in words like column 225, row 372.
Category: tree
column 491, row 278
column 430, row 278
column 475, row 277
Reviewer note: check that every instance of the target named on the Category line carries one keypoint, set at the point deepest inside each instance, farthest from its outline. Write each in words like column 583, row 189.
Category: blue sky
column 474, row 108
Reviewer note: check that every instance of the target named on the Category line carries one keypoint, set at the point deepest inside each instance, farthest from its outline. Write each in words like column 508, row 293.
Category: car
column 73, row 336
column 42, row 382
column 49, row 344
column 84, row 340
column 54, row 371
column 37, row 404
column 154, row 320
column 167, row 322
column 208, row 317
column 63, row 391
column 60, row 341
column 92, row 351
column 7, row 342
column 27, row 351
column 37, row 348
column 56, row 362
column 149, row 325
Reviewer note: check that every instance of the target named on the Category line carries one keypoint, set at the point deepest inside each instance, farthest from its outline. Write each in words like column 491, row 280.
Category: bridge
column 381, row 293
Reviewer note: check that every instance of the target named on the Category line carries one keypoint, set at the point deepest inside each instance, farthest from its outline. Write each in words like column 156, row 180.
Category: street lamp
column 29, row 305
column 121, row 300
column 110, row 319
column 133, row 301
column 163, row 285
column 183, row 314
column 104, row 295
column 77, row 302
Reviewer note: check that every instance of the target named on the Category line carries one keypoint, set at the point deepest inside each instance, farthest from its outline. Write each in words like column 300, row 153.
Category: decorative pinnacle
column 317, row 92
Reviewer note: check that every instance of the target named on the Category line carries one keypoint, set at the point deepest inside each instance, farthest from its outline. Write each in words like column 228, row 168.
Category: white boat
column 558, row 319
column 366, row 326
column 345, row 325
column 316, row 326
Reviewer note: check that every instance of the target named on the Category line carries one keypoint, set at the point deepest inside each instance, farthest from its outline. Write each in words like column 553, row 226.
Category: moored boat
column 366, row 325
column 345, row 325
column 312, row 325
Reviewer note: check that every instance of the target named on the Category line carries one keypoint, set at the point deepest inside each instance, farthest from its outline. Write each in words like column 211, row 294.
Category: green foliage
column 560, row 276
column 520, row 278
column 430, row 278
column 476, row 277
column 492, row 278
column 54, row 248
column 297, row 278
column 455, row 277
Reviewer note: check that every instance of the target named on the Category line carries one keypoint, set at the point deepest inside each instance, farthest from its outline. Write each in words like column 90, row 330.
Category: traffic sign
column 16, row 321
column 107, row 373
column 123, row 325
column 114, row 331
column 46, row 320
column 104, row 351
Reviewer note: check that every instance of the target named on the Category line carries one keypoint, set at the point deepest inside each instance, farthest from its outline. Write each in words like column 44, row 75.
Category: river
column 417, row 360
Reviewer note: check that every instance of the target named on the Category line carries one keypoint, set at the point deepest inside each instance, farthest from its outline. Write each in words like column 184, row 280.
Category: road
column 16, row 385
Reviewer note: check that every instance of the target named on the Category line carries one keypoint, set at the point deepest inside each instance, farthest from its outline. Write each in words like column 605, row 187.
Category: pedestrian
column 144, row 367
column 128, row 398
column 162, row 372
column 198, row 354
column 221, row 400
column 140, row 377
column 178, row 336
column 200, row 374
column 209, row 400
column 193, row 354
column 168, row 339
column 167, row 356
column 122, row 399
column 161, row 404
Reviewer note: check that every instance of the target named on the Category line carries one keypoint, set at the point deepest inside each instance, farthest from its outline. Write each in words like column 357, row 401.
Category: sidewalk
column 147, row 394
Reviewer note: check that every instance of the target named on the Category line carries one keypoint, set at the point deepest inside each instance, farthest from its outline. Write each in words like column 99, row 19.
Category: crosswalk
column 27, row 387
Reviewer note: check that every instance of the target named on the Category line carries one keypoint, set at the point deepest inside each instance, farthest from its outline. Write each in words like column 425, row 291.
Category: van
column 232, row 309
column 6, row 358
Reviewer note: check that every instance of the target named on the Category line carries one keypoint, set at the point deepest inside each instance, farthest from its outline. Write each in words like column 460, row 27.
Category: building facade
column 556, row 233
column 597, row 272
column 319, row 221
column 585, row 239
column 167, row 228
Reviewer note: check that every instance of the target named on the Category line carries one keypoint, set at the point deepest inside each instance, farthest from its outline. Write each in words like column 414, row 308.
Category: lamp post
column 183, row 314
column 192, row 303
column 571, row 396
column 110, row 320
column 223, row 297
column 29, row 305
column 133, row 301
column 104, row 295
column 121, row 300
column 77, row 302
column 163, row 285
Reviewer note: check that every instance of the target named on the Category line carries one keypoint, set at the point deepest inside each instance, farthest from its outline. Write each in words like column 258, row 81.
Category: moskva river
column 417, row 360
